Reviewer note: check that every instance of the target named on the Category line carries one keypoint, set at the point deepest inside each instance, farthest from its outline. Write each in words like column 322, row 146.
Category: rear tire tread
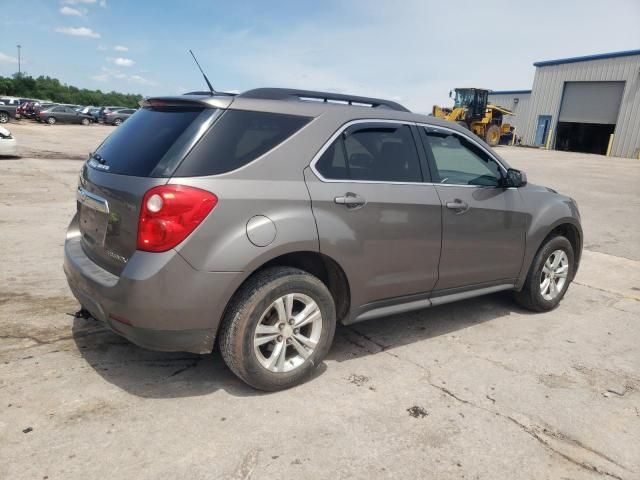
column 231, row 337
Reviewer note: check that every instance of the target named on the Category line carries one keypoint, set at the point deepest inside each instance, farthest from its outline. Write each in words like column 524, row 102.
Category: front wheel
column 117, row 122
column 278, row 328
column 51, row 120
column 492, row 136
column 85, row 121
column 4, row 117
column 549, row 276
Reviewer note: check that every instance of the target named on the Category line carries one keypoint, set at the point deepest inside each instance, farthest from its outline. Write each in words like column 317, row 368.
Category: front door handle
column 350, row 200
column 458, row 205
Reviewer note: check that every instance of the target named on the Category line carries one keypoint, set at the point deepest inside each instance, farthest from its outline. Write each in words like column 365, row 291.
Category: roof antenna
column 211, row 89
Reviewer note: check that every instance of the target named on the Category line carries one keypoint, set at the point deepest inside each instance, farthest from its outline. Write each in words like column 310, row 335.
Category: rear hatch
column 141, row 154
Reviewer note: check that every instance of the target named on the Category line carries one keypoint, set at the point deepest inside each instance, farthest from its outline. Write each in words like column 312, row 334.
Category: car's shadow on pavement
column 149, row 374
column 373, row 336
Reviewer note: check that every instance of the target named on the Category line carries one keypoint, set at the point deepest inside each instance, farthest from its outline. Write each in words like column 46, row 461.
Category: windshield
column 464, row 98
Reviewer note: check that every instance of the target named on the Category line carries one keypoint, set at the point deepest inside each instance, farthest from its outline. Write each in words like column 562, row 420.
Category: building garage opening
column 583, row 137
column 588, row 116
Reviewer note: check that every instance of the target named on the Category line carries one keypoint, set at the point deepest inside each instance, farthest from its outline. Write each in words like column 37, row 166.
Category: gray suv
column 263, row 219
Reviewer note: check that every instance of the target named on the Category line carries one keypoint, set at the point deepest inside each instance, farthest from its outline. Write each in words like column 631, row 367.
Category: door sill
column 411, row 303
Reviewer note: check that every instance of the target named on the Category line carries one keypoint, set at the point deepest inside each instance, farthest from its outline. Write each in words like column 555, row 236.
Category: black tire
column 117, row 122
column 4, row 117
column 492, row 135
column 85, row 121
column 51, row 120
column 236, row 333
column 530, row 297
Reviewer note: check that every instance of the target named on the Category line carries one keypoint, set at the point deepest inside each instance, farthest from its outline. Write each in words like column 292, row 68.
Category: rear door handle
column 350, row 200
column 458, row 205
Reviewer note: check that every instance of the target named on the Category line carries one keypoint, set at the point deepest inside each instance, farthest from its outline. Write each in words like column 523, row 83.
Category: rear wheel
column 278, row 328
column 549, row 276
column 51, row 120
column 4, row 117
column 117, row 122
column 85, row 121
column 492, row 135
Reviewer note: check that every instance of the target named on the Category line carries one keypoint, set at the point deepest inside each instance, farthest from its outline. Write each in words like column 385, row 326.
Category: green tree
column 47, row 88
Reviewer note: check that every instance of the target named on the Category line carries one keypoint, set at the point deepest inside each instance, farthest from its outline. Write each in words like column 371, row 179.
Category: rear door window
column 142, row 146
column 237, row 138
column 377, row 153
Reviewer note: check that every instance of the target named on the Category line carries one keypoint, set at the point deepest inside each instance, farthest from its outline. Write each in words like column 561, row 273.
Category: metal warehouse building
column 518, row 102
column 583, row 104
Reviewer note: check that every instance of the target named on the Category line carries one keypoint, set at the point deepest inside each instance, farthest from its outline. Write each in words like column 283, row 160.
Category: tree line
column 47, row 88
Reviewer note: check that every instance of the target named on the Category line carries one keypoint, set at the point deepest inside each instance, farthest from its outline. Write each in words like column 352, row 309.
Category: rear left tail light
column 169, row 214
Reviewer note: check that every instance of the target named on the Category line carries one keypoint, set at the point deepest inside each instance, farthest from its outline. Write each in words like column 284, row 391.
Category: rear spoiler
column 187, row 101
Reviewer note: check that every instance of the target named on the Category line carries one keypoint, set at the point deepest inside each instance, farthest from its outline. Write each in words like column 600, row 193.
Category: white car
column 8, row 144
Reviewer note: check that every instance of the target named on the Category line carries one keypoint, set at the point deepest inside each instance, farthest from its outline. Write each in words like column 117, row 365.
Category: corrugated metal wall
column 548, row 85
column 521, row 109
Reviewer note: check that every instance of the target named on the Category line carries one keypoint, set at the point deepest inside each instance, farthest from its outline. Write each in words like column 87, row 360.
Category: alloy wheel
column 554, row 275
column 288, row 332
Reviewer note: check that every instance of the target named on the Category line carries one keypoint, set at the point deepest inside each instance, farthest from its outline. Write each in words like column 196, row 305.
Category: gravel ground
column 479, row 389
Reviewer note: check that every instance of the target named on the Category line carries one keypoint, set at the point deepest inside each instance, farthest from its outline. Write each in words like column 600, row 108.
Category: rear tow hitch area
column 82, row 313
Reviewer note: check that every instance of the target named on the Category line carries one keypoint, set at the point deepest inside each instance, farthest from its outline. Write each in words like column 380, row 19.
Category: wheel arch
column 315, row 263
column 568, row 227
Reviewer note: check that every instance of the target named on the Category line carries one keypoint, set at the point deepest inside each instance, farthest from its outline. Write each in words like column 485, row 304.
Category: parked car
column 85, row 109
column 34, row 112
column 265, row 218
column 62, row 114
column 8, row 144
column 104, row 111
column 117, row 117
column 34, row 108
column 22, row 108
column 8, row 109
column 94, row 112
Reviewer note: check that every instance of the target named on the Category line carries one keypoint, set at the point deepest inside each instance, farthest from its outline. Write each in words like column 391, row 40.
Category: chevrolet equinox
column 264, row 218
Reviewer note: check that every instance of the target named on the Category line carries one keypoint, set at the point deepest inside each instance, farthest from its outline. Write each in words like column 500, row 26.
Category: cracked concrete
column 478, row 390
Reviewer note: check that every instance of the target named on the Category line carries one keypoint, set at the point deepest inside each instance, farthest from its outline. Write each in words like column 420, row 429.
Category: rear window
column 236, row 139
column 143, row 143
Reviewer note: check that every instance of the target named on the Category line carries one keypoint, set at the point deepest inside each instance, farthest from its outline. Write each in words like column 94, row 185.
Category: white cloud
column 4, row 58
column 141, row 80
column 102, row 48
column 78, row 2
column 73, row 12
column 103, row 3
column 414, row 60
column 121, row 62
column 103, row 77
column 121, row 48
column 111, row 75
column 78, row 32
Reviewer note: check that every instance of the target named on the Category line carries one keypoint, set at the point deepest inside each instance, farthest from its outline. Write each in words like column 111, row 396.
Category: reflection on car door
column 374, row 214
column 483, row 224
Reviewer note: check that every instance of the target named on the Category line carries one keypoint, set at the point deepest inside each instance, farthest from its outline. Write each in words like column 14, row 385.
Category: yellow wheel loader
column 472, row 111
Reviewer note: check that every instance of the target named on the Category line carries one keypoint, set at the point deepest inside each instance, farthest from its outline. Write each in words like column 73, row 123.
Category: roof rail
column 326, row 97
column 201, row 92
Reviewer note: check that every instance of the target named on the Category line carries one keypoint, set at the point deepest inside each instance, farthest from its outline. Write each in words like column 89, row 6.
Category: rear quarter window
column 236, row 139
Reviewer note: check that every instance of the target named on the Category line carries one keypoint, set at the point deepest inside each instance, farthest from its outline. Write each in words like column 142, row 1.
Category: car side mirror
column 515, row 178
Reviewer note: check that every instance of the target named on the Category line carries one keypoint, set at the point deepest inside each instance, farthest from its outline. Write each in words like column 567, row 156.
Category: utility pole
column 19, row 65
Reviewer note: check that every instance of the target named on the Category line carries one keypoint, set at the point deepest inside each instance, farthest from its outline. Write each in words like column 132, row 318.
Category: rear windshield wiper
column 98, row 158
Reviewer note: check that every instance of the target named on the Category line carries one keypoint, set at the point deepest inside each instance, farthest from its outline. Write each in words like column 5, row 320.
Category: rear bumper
column 158, row 301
